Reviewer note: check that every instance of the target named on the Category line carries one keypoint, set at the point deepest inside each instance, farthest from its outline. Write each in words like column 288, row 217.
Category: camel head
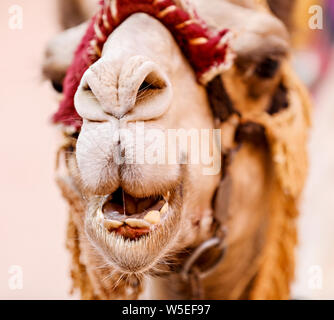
column 148, row 161
column 141, row 210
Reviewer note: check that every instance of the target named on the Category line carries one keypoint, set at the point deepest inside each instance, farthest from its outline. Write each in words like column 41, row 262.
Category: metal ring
column 213, row 242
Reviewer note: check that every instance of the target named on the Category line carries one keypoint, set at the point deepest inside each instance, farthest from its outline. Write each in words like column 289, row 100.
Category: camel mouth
column 132, row 217
column 135, row 233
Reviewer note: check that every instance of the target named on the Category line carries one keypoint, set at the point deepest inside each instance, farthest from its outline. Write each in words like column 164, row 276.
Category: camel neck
column 230, row 279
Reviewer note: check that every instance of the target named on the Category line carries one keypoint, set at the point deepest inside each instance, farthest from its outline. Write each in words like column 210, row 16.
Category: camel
column 163, row 230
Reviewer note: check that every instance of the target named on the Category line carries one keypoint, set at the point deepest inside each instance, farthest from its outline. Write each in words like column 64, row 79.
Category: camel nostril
column 89, row 93
column 86, row 87
column 141, row 92
column 88, row 104
column 151, row 84
column 145, row 86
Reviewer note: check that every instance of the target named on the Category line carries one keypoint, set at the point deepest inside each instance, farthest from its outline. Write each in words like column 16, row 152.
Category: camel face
column 143, row 206
column 145, row 175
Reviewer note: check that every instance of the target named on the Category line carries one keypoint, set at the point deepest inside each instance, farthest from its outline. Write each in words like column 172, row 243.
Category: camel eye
column 57, row 86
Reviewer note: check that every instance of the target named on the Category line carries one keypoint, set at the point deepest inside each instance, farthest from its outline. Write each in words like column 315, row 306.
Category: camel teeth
column 137, row 223
column 99, row 215
column 153, row 217
column 164, row 208
column 112, row 224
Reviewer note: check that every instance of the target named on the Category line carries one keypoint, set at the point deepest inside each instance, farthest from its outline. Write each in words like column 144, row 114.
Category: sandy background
column 33, row 214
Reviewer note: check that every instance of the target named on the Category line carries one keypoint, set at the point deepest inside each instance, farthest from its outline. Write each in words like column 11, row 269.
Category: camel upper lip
column 130, row 216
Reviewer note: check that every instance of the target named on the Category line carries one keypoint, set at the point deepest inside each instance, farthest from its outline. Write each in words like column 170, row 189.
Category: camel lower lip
column 130, row 232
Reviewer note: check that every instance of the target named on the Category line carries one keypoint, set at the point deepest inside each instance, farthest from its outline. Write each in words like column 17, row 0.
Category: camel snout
column 136, row 89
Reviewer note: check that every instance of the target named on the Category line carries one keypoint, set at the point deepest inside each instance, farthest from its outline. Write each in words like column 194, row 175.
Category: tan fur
column 73, row 12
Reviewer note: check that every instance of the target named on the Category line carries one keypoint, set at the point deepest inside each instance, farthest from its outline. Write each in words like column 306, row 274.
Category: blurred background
column 33, row 214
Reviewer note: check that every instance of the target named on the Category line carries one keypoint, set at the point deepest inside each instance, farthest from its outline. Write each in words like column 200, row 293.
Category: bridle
column 205, row 258
column 193, row 271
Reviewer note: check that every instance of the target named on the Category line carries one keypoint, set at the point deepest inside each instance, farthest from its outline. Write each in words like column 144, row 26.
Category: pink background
column 33, row 214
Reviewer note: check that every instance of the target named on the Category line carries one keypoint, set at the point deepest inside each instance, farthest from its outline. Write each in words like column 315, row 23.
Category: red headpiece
column 206, row 50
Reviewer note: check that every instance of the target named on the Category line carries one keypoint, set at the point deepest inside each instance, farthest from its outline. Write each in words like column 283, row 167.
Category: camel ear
column 59, row 54
column 258, row 34
column 283, row 9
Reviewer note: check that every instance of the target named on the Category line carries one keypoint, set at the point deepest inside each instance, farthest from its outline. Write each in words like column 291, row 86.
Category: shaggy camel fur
column 250, row 205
